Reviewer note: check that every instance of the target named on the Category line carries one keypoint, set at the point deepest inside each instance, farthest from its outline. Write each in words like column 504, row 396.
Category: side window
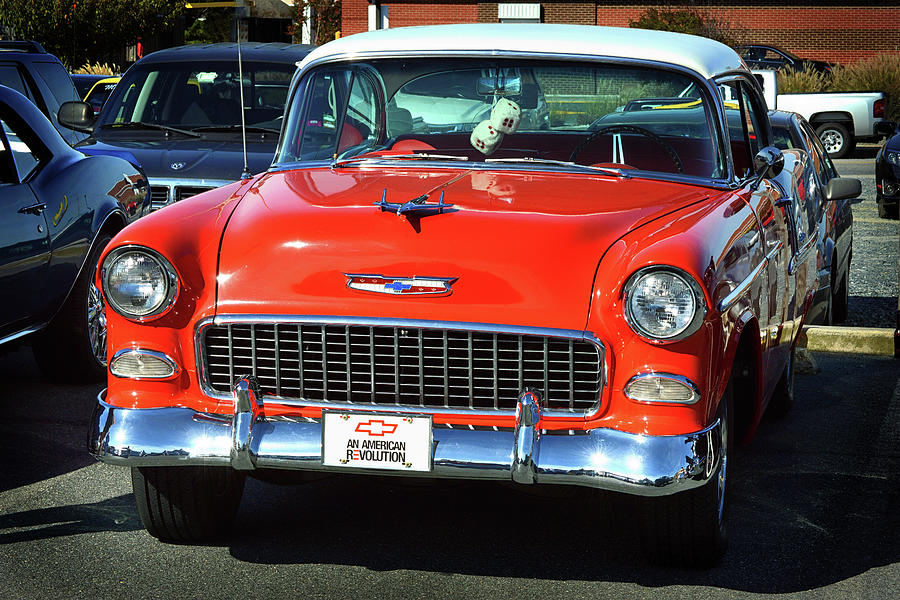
column 822, row 161
column 326, row 96
column 12, row 78
column 361, row 123
column 743, row 119
column 23, row 158
column 59, row 82
column 805, row 205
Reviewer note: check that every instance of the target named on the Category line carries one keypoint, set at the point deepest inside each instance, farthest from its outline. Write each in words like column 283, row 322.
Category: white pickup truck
column 840, row 118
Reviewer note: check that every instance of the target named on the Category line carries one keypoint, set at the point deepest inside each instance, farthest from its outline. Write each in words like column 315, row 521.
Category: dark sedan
column 58, row 210
column 758, row 56
column 887, row 177
column 835, row 244
column 177, row 113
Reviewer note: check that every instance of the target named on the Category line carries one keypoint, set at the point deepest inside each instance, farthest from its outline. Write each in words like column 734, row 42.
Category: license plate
column 376, row 441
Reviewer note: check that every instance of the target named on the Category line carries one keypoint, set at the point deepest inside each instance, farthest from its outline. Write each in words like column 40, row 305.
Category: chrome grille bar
column 423, row 365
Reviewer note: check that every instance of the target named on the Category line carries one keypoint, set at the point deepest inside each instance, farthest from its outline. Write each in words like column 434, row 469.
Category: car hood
column 189, row 159
column 521, row 248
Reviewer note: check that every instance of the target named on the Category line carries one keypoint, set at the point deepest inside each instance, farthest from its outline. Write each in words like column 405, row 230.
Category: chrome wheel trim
column 832, row 140
column 722, row 475
column 96, row 324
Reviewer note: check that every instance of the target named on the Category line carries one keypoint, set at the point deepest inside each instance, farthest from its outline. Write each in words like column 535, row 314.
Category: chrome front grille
column 161, row 195
column 398, row 365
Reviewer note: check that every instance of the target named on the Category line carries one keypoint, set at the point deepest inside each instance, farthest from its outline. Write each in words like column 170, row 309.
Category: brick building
column 841, row 32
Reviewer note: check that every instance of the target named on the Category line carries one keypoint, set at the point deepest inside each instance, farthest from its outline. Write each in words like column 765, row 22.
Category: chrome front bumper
column 601, row 458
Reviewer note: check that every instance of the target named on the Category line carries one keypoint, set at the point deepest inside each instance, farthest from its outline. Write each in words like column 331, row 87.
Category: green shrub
column 686, row 20
column 98, row 69
column 807, row 80
column 880, row 73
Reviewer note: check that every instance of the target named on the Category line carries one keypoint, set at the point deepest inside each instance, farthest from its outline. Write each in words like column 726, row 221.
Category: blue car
column 177, row 114
column 58, row 209
column 887, row 177
column 835, row 219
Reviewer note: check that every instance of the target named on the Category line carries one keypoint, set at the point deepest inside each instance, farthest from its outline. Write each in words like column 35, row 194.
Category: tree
column 325, row 20
column 88, row 31
column 683, row 20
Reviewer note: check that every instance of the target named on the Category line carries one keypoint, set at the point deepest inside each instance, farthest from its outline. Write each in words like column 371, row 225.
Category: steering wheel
column 630, row 129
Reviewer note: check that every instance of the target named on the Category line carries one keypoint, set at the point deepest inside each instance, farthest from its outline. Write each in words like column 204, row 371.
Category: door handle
column 33, row 209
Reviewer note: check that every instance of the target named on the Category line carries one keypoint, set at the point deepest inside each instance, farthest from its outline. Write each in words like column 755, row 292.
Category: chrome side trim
column 207, row 389
column 21, row 334
column 800, row 257
column 739, row 290
column 600, row 458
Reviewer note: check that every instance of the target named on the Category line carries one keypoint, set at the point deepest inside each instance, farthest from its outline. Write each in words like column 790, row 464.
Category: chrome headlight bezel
column 700, row 306
column 171, row 281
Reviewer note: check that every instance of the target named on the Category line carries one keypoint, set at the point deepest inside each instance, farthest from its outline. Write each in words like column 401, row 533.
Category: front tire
column 689, row 528
column 73, row 346
column 836, row 138
column 187, row 504
column 840, row 302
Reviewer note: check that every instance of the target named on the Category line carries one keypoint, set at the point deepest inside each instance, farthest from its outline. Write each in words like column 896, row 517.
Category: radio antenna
column 245, row 174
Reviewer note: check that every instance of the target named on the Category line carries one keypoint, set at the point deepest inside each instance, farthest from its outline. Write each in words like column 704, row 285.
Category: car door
column 24, row 239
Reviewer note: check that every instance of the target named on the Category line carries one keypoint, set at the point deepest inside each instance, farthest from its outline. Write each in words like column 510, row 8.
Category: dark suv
column 38, row 75
column 177, row 114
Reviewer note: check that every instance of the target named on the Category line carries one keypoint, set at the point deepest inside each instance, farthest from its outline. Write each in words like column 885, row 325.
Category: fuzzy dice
column 485, row 138
column 505, row 116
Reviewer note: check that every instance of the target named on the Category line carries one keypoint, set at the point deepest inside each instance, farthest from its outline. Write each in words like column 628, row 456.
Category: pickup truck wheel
column 187, row 504
column 783, row 398
column 836, row 138
column 688, row 528
column 73, row 346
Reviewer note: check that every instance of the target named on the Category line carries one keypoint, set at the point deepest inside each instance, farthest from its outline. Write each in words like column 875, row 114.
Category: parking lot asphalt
column 814, row 505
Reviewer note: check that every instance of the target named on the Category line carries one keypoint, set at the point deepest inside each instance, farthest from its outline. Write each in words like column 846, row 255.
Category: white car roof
column 702, row 55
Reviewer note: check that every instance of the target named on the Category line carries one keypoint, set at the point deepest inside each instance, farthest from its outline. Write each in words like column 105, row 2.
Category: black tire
column 72, row 347
column 887, row 210
column 836, row 138
column 187, row 504
column 783, row 398
column 840, row 300
column 689, row 528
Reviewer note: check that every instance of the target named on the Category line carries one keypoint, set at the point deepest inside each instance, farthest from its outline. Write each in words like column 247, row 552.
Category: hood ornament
column 400, row 286
column 177, row 166
column 415, row 208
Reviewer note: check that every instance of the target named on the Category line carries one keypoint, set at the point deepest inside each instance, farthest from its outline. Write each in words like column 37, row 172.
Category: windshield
column 194, row 95
column 592, row 114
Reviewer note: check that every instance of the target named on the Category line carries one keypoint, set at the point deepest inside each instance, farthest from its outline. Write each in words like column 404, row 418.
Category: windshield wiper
column 143, row 125
column 561, row 163
column 249, row 128
column 417, row 156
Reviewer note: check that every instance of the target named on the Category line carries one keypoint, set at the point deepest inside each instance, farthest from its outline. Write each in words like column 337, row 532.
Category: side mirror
column 842, row 188
column 768, row 162
column 76, row 115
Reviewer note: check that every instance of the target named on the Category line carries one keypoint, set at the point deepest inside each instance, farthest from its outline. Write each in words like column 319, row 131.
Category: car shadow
column 44, row 426
column 114, row 514
column 813, row 502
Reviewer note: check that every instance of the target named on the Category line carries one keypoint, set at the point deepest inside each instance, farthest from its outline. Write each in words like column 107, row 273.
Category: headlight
column 138, row 283
column 663, row 303
column 893, row 157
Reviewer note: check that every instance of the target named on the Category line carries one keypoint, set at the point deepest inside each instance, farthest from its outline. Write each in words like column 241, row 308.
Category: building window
column 519, row 12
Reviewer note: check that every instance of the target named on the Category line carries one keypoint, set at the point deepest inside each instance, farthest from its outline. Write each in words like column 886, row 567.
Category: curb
column 848, row 340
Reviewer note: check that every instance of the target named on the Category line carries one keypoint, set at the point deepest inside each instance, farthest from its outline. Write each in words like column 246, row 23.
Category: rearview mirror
column 499, row 82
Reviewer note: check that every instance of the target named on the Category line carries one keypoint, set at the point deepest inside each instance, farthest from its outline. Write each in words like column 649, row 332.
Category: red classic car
column 532, row 253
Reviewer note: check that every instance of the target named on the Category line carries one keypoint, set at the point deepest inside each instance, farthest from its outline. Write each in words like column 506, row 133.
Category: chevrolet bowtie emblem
column 403, row 286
